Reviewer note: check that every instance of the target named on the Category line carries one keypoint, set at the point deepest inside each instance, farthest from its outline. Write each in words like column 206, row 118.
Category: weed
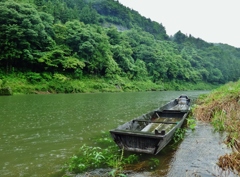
column 117, row 166
column 221, row 108
column 191, row 123
column 154, row 162
column 90, row 158
column 179, row 135
column 218, row 121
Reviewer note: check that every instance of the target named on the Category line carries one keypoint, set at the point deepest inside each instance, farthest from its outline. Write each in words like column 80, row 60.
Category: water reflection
column 39, row 132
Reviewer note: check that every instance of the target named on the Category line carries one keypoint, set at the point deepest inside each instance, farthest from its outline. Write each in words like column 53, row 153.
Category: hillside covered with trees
column 59, row 44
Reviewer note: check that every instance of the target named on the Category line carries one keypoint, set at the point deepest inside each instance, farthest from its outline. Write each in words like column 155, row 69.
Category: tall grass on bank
column 222, row 109
column 35, row 83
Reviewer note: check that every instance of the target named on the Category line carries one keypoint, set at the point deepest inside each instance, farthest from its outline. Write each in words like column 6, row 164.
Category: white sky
column 216, row 21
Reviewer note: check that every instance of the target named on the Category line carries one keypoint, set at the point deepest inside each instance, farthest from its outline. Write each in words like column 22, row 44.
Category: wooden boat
column 151, row 132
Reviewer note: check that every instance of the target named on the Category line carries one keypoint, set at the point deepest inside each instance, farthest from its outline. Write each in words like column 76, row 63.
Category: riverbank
column 41, row 84
column 213, row 148
column 198, row 153
column 222, row 109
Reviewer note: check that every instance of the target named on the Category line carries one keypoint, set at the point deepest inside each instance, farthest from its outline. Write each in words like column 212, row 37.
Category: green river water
column 38, row 133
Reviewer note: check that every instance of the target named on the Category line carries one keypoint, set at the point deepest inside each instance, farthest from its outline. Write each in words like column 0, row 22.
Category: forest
column 67, row 46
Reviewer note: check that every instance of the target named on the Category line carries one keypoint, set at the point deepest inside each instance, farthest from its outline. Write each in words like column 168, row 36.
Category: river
column 40, row 132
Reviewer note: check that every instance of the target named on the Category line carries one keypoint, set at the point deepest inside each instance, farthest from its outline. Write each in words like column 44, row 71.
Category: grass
column 89, row 158
column 34, row 83
column 222, row 109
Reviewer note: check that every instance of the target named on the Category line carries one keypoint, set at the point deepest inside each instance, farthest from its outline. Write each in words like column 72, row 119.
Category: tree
column 89, row 15
column 179, row 37
column 91, row 44
column 22, row 34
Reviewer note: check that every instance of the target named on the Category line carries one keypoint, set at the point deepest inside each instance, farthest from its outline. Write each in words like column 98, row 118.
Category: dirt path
column 198, row 154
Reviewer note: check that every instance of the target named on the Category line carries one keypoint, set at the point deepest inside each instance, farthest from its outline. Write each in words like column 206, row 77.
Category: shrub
column 33, row 78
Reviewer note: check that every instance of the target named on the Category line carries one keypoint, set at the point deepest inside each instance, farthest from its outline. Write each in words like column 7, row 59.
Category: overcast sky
column 216, row 21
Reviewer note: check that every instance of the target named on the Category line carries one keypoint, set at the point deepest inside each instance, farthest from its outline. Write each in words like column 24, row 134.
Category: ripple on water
column 47, row 129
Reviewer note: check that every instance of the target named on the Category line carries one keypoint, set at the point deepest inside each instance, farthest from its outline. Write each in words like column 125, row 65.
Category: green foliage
column 191, row 123
column 80, row 39
column 2, row 82
column 115, row 13
column 179, row 37
column 179, row 135
column 33, row 78
column 92, row 157
column 23, row 35
column 221, row 108
column 89, row 15
column 218, row 121
column 33, row 82
column 154, row 162
column 96, row 157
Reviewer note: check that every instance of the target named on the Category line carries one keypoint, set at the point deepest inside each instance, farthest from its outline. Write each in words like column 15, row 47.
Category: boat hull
column 151, row 132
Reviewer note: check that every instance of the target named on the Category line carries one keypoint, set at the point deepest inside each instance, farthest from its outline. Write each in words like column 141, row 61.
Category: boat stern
column 136, row 143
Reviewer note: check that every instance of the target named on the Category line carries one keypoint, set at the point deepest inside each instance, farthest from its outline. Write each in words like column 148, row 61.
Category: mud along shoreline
column 198, row 154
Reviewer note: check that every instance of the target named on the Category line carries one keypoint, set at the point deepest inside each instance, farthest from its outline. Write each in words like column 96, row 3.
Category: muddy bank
column 198, row 154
